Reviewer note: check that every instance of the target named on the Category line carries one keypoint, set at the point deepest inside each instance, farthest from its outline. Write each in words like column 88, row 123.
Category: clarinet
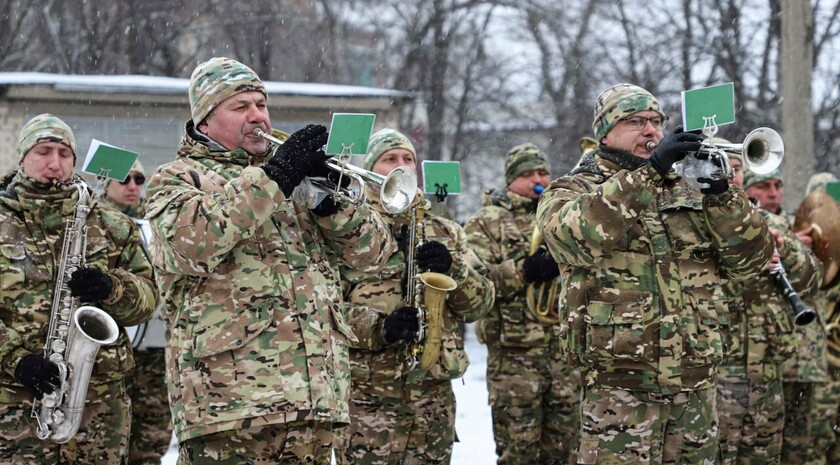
column 802, row 313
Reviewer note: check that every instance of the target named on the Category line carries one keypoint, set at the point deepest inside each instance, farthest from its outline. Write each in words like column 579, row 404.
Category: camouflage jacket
column 373, row 296
column 761, row 316
column 500, row 233
column 32, row 222
column 251, row 298
column 642, row 259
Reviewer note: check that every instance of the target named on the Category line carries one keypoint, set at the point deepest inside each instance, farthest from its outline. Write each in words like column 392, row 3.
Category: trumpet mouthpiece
column 539, row 189
column 650, row 146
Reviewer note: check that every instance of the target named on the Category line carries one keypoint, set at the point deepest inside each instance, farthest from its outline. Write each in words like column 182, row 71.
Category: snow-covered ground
column 473, row 423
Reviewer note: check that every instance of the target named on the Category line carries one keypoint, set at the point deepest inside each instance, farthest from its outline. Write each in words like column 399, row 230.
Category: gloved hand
column 673, row 148
column 716, row 186
column 90, row 284
column 401, row 325
column 38, row 375
column 327, row 207
column 433, row 256
column 540, row 267
column 299, row 156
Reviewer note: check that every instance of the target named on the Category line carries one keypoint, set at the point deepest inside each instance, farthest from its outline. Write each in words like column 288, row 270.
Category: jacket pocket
column 704, row 330
column 616, row 328
column 218, row 330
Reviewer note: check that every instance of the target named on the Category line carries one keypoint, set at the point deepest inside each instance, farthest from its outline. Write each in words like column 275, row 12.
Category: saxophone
column 75, row 334
column 426, row 292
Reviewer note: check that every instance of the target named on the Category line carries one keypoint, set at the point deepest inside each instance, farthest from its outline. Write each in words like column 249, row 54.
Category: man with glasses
column 151, row 424
column 643, row 314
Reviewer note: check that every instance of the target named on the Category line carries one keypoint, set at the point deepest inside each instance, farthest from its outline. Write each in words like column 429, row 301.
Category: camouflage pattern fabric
column 618, row 102
column 293, row 443
column 382, row 141
column 216, row 79
column 385, row 367
column 249, row 281
column 635, row 427
column 398, row 423
column 534, row 393
column 102, row 438
column 643, row 308
column 32, row 222
column 523, row 158
column 44, row 127
column 750, row 407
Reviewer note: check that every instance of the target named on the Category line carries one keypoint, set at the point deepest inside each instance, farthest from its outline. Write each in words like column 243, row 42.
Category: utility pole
column 796, row 57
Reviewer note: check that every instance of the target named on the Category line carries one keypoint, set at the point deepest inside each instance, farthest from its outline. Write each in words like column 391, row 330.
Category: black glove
column 299, row 156
column 39, row 375
column 716, row 186
column 90, row 284
column 673, row 148
column 433, row 256
column 401, row 325
column 327, row 207
column 540, row 267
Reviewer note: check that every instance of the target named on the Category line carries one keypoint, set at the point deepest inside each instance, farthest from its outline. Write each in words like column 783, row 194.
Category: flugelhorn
column 347, row 183
column 762, row 150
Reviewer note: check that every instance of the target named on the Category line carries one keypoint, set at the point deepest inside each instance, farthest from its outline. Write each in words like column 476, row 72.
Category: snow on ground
column 472, row 423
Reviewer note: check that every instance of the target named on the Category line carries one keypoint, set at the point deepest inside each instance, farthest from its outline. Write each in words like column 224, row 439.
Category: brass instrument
column 396, row 191
column 426, row 292
column 74, row 337
column 587, row 144
column 762, row 150
column 542, row 300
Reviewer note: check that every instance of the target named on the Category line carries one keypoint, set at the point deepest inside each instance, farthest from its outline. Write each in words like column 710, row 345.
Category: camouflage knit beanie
column 751, row 179
column 217, row 79
column 45, row 128
column 522, row 158
column 620, row 101
column 819, row 181
column 382, row 141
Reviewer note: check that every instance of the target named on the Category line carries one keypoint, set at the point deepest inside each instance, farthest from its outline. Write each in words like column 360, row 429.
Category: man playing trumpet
column 642, row 254
column 403, row 412
column 533, row 391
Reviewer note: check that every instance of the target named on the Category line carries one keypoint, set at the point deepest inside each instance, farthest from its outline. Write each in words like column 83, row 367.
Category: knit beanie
column 620, row 101
column 751, row 179
column 217, row 79
column 522, row 158
column 382, row 141
column 44, row 127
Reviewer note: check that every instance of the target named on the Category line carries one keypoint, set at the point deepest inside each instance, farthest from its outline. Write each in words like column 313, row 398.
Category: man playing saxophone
column 533, row 391
column 36, row 202
column 400, row 412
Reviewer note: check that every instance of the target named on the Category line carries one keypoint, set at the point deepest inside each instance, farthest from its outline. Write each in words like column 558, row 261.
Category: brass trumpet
column 397, row 190
column 542, row 300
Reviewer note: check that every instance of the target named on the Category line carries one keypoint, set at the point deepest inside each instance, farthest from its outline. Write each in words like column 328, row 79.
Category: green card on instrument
column 108, row 161
column 350, row 133
column 715, row 102
column 441, row 176
column 833, row 189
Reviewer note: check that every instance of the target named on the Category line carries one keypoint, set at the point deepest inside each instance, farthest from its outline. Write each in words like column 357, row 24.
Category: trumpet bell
column 398, row 190
column 763, row 150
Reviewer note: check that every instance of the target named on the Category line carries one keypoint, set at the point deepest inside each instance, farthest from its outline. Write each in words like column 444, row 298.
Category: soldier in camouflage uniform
column 533, row 391
column 400, row 413
column 750, row 400
column 151, row 422
column 641, row 255
column 36, row 201
column 257, row 359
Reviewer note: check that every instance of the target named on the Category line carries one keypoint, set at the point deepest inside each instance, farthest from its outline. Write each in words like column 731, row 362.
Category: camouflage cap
column 751, row 178
column 620, row 101
column 522, row 158
column 45, row 127
column 818, row 182
column 216, row 80
column 382, row 141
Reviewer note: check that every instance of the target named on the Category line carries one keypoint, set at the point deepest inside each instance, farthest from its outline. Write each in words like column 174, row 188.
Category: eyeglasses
column 638, row 123
column 139, row 179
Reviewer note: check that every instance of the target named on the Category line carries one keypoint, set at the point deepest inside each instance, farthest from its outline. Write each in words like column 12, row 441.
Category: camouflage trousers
column 808, row 425
column 621, row 427
column 102, row 438
column 398, row 424
column 534, row 400
column 300, row 442
column 752, row 418
column 151, row 422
